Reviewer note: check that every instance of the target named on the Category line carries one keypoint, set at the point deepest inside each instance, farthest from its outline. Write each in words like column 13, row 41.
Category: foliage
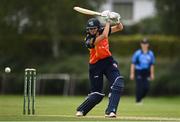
column 163, row 46
column 53, row 19
column 45, row 34
column 147, row 26
column 42, row 16
column 165, row 21
column 168, row 13
column 168, row 78
column 36, row 52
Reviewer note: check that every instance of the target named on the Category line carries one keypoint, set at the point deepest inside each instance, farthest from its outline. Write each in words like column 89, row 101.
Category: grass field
column 58, row 108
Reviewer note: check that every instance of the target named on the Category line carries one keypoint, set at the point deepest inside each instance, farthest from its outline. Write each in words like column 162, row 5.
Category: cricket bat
column 86, row 11
column 115, row 19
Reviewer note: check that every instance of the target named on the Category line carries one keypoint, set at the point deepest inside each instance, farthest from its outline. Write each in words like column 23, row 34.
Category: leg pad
column 93, row 99
column 114, row 96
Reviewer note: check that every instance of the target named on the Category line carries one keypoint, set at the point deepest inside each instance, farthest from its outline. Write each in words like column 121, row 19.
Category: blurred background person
column 142, row 69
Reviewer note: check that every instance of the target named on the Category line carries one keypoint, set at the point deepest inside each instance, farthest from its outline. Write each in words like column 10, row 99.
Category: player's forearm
column 106, row 30
column 104, row 34
column 120, row 26
column 152, row 70
column 132, row 69
column 117, row 27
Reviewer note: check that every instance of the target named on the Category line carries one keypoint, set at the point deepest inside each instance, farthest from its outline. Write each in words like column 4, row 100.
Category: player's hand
column 105, row 13
column 152, row 77
column 115, row 17
column 131, row 76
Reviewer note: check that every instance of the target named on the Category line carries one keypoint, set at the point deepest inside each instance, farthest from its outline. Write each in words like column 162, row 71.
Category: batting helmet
column 92, row 23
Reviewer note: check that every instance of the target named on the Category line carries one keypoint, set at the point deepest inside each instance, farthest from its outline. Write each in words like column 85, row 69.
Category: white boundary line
column 121, row 117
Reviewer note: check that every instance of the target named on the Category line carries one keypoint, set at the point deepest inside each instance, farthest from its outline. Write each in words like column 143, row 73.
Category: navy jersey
column 143, row 60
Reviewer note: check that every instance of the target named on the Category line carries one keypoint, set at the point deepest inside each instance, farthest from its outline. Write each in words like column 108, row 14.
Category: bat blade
column 86, row 11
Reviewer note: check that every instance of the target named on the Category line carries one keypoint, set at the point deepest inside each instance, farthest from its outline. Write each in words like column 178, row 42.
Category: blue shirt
column 143, row 60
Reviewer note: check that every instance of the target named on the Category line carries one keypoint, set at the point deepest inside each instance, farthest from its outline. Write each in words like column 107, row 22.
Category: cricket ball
column 7, row 70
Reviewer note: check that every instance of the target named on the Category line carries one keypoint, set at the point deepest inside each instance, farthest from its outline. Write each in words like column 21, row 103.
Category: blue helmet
column 92, row 23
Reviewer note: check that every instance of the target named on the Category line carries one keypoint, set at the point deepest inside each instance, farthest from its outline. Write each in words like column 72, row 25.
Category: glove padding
column 115, row 17
column 106, row 15
column 111, row 17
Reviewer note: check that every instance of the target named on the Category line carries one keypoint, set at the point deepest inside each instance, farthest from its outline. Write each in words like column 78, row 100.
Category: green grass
column 58, row 108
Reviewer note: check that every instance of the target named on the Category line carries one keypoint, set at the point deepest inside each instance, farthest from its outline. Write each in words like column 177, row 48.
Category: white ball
column 7, row 70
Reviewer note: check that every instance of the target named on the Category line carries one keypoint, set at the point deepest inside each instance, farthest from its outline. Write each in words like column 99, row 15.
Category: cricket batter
column 142, row 69
column 102, row 63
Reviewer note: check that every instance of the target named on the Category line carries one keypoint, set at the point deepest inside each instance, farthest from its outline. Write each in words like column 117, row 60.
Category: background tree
column 169, row 14
column 52, row 19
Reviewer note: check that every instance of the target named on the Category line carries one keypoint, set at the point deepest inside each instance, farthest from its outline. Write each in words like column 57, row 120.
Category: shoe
column 139, row 103
column 79, row 114
column 111, row 115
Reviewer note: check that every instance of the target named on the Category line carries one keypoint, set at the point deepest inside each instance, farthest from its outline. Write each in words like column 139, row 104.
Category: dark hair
column 145, row 41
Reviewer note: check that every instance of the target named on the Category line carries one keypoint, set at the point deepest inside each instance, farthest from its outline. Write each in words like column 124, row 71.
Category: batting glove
column 115, row 17
column 105, row 13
